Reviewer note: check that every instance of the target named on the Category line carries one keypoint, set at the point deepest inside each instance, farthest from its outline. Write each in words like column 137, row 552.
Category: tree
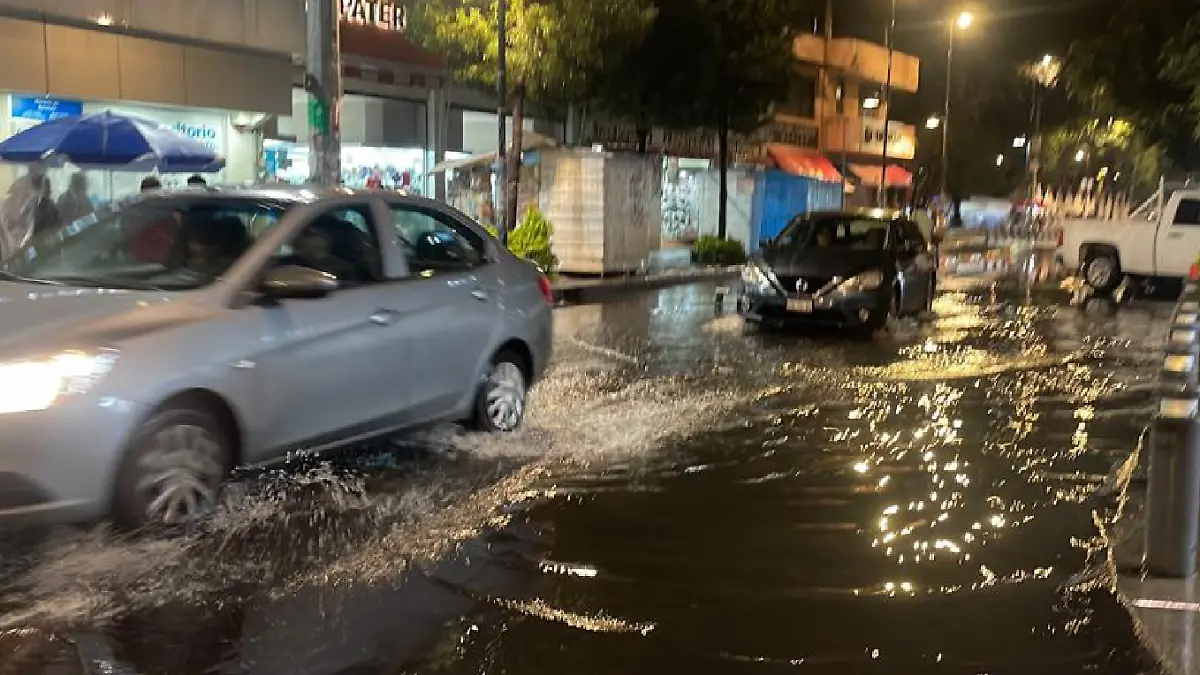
column 1112, row 148
column 716, row 65
column 1138, row 70
column 555, row 51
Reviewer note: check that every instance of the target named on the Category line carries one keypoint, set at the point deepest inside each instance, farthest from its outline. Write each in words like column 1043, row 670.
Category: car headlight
column 754, row 277
column 37, row 384
column 867, row 281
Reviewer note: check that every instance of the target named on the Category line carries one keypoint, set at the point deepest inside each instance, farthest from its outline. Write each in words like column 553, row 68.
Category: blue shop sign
column 40, row 109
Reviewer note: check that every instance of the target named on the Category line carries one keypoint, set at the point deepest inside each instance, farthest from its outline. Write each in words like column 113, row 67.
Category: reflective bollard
column 1173, row 498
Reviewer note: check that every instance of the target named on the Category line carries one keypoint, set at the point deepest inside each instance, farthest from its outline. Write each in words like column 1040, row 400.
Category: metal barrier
column 1173, row 498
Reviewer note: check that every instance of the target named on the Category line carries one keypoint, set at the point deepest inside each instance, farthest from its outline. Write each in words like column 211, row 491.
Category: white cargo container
column 606, row 208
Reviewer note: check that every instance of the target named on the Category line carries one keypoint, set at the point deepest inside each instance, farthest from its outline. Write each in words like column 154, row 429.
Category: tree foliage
column 1143, row 69
column 556, row 49
column 1113, row 147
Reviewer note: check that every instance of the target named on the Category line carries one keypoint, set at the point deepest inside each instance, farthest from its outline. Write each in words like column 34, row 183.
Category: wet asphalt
column 688, row 497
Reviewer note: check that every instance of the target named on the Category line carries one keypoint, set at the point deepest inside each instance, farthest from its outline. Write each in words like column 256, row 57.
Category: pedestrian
column 152, row 242
column 46, row 219
column 74, row 202
column 196, row 180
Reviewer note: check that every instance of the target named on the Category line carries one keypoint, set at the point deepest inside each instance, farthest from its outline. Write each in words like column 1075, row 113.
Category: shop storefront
column 227, row 133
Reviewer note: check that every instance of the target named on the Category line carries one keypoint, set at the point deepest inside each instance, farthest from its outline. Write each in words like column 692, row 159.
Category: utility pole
column 501, row 118
column 946, row 116
column 323, row 81
column 887, row 107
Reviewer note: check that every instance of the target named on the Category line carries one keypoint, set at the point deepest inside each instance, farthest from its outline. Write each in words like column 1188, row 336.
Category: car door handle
column 1175, row 235
column 383, row 317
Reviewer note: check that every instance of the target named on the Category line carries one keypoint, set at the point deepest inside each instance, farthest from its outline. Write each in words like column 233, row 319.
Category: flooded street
column 687, row 497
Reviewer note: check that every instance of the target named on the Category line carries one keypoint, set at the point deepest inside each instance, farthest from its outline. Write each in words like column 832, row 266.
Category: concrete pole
column 323, row 81
column 501, row 118
column 887, row 108
column 946, row 117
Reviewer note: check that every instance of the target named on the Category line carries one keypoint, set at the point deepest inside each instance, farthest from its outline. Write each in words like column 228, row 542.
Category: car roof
column 274, row 192
column 874, row 214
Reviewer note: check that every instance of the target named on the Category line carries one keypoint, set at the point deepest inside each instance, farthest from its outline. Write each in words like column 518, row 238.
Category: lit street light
column 1080, row 155
column 1019, row 142
column 961, row 22
column 933, row 122
column 870, row 103
column 1000, row 159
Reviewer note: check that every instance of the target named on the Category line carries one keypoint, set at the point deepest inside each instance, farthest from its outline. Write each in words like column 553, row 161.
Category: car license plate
column 802, row 305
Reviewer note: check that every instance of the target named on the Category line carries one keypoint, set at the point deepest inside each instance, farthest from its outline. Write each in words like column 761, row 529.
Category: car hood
column 39, row 319
column 822, row 263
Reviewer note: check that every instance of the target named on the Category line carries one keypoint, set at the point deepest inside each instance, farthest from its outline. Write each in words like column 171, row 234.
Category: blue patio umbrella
column 110, row 141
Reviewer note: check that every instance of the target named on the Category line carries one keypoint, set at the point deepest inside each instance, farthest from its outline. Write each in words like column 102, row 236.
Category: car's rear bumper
column 57, row 465
column 848, row 310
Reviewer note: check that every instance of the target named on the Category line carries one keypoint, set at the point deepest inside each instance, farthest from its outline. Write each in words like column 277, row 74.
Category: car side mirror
column 297, row 281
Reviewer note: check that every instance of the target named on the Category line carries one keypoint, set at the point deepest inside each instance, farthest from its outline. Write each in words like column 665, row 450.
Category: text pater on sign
column 377, row 13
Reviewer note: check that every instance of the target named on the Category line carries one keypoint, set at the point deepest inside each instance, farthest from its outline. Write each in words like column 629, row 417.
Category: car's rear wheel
column 173, row 469
column 1102, row 272
column 500, row 403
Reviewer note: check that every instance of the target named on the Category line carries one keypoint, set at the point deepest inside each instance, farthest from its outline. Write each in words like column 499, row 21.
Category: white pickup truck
column 1161, row 239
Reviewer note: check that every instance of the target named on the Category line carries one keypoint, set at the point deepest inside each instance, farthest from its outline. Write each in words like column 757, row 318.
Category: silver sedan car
column 148, row 349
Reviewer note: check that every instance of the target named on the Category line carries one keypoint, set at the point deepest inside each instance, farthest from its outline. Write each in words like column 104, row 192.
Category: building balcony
column 859, row 59
column 864, row 136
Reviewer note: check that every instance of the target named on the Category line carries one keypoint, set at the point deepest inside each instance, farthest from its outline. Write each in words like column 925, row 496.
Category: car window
column 340, row 242
column 836, row 232
column 1188, row 212
column 434, row 242
column 169, row 243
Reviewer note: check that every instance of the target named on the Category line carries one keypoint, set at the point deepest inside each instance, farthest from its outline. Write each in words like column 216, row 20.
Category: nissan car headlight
column 867, row 281
column 753, row 277
column 37, row 384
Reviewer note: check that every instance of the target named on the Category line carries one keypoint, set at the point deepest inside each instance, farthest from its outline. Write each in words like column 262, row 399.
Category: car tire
column 503, row 394
column 1101, row 271
column 173, row 469
column 882, row 320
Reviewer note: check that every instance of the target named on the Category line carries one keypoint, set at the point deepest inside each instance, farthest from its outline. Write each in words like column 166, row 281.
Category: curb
column 588, row 293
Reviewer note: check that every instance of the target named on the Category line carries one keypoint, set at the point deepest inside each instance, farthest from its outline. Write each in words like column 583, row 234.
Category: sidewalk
column 577, row 291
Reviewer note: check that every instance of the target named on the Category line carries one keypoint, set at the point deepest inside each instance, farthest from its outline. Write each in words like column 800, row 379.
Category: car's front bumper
column 836, row 309
column 57, row 465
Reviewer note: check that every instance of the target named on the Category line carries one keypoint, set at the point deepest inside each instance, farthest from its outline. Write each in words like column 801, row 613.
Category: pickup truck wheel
column 1102, row 272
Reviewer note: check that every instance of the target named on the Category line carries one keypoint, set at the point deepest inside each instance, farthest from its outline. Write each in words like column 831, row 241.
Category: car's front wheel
column 1102, row 272
column 500, row 403
column 173, row 470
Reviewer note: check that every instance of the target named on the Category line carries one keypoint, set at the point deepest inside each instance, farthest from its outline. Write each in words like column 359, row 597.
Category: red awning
column 897, row 176
column 802, row 162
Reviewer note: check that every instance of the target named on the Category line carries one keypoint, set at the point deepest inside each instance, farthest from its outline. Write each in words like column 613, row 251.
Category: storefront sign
column 900, row 145
column 38, row 109
column 206, row 135
column 378, row 13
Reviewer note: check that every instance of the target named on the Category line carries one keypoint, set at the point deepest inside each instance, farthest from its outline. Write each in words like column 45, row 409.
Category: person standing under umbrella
column 46, row 219
column 74, row 203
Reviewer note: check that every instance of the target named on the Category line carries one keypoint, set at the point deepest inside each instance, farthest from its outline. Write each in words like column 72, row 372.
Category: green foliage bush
column 532, row 240
column 710, row 250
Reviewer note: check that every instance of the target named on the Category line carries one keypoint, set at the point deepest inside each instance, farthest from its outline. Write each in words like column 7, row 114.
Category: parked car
column 1158, row 241
column 852, row 269
column 149, row 349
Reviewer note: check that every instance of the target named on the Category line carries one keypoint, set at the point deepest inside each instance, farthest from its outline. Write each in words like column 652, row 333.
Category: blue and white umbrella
column 110, row 141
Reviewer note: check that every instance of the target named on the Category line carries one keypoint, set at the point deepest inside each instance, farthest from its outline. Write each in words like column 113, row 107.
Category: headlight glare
column 867, row 281
column 26, row 386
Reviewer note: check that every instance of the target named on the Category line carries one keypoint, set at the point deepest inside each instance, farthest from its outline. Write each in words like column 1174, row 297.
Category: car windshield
column 842, row 232
column 154, row 243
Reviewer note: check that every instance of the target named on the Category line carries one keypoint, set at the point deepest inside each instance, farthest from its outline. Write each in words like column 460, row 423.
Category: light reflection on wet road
column 688, row 499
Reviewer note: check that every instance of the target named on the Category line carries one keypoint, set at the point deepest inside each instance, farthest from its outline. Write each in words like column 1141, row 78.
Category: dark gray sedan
column 853, row 269
column 149, row 349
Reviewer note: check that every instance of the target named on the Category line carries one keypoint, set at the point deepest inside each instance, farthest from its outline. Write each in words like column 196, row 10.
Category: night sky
column 1005, row 34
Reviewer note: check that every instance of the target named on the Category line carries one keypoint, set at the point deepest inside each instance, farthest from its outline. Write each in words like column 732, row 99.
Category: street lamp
column 1000, row 159
column 887, row 110
column 1080, row 155
column 961, row 22
column 933, row 122
column 870, row 103
column 1019, row 142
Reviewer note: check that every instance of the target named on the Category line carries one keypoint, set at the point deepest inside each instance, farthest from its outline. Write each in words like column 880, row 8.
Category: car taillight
column 546, row 289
